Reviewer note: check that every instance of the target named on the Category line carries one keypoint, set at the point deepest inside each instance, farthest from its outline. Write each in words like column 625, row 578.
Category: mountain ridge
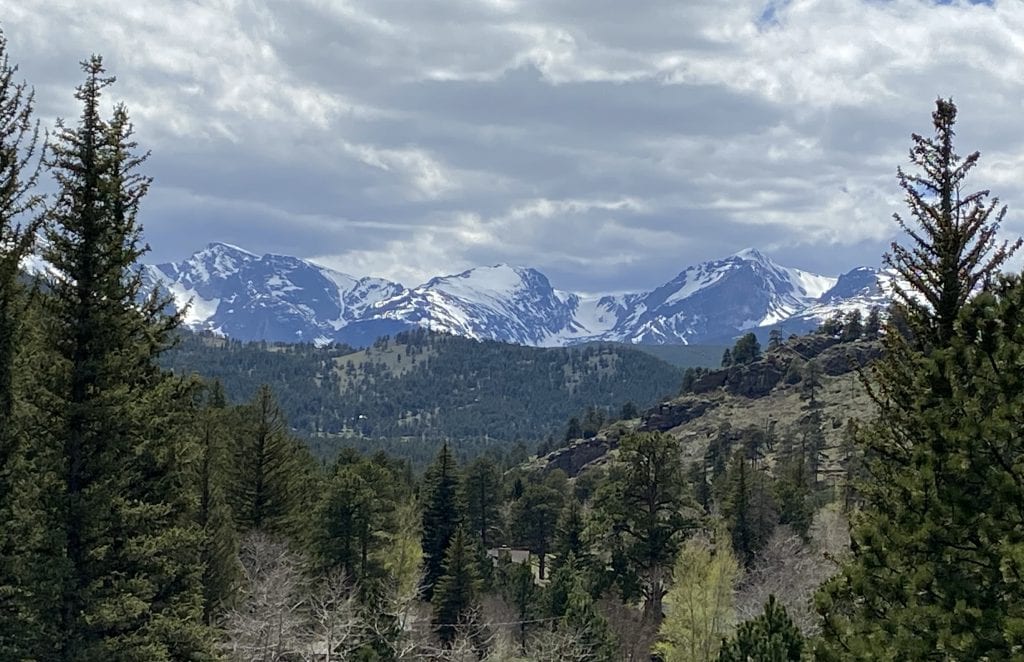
column 273, row 297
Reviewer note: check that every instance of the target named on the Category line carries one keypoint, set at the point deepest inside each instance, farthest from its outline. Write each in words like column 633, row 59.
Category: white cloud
column 607, row 145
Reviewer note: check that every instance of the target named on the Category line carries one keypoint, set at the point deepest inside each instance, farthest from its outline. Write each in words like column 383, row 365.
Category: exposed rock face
column 671, row 414
column 579, row 454
column 842, row 359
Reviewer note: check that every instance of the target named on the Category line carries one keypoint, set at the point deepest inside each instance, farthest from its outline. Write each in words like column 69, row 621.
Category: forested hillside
column 431, row 386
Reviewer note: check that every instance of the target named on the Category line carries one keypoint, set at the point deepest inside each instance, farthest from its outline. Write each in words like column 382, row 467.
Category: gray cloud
column 609, row 147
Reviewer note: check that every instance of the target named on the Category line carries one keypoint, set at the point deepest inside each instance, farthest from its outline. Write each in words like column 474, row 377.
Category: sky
column 609, row 144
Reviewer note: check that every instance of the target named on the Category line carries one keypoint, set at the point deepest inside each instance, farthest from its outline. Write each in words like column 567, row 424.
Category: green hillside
column 429, row 387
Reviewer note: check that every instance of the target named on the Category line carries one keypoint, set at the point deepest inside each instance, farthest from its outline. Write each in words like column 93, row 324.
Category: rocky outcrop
column 668, row 415
column 579, row 454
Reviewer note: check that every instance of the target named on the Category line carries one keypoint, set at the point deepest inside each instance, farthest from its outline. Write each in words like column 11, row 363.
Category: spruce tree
column 221, row 571
column 442, row 515
column 937, row 543
column 266, row 477
column 482, row 495
column 586, row 626
column 125, row 508
column 456, row 592
column 953, row 248
column 20, row 220
column 748, row 507
column 535, row 518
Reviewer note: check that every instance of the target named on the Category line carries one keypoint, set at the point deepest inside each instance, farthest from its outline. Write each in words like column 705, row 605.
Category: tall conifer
column 132, row 571
column 442, row 514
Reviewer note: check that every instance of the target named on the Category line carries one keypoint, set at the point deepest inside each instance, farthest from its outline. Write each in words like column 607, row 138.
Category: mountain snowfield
column 239, row 294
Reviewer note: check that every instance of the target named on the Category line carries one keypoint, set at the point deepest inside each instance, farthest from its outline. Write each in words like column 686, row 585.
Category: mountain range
column 239, row 294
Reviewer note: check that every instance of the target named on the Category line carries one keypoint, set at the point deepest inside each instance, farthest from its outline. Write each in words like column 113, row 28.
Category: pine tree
column 221, row 572
column 442, row 515
column 652, row 508
column 746, row 349
column 569, row 534
column 20, row 220
column 937, row 545
column 771, row 637
column 456, row 591
column 587, row 627
column 482, row 487
column 266, row 478
column 873, row 324
column 953, row 236
column 535, row 517
column 125, row 508
column 748, row 507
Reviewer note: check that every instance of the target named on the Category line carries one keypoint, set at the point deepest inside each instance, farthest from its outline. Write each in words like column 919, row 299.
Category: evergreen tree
column 535, row 516
column 569, row 533
column 355, row 510
column 853, row 326
column 482, row 488
column 221, row 573
column 520, row 592
column 771, row 637
column 456, row 591
column 746, row 349
column 442, row 514
column 649, row 507
column 587, row 627
column 266, row 479
column 748, row 507
column 21, row 632
column 574, row 430
column 125, row 508
column 873, row 324
column 727, row 359
column 937, row 545
column 629, row 411
column 953, row 246
column 774, row 339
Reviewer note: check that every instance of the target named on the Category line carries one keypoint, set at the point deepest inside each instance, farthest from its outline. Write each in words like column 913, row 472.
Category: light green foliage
column 700, row 603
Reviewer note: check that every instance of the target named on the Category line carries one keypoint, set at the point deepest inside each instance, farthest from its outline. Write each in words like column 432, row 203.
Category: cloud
column 607, row 146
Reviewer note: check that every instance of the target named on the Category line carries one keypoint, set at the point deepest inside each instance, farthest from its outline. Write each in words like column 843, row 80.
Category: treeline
column 429, row 386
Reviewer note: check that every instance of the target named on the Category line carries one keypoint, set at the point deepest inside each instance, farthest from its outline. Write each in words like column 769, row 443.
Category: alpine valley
column 241, row 295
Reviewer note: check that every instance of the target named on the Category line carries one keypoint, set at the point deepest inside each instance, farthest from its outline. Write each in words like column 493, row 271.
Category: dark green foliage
column 585, row 624
column 266, row 473
column 483, row 497
column 484, row 394
column 727, row 358
column 574, row 430
column 443, row 513
column 873, row 324
column 131, row 568
column 774, row 339
column 853, row 326
column 21, row 633
column 937, row 546
column 771, row 637
column 534, row 519
column 569, row 533
column 748, row 506
column 456, row 590
column 648, row 510
column 833, row 326
column 521, row 593
column 953, row 247
column 746, row 350
column 356, row 508
column 221, row 573
column 629, row 411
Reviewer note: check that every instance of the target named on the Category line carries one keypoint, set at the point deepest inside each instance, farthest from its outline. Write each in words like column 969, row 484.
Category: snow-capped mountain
column 271, row 297
column 275, row 297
